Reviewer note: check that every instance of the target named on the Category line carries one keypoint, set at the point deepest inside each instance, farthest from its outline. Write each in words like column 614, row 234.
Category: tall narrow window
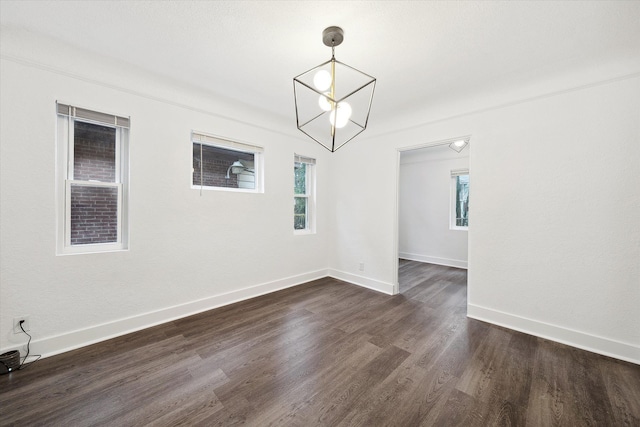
column 92, row 180
column 223, row 164
column 303, row 194
column 460, row 199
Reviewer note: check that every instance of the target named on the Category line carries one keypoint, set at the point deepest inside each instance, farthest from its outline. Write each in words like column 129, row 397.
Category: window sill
column 303, row 232
column 90, row 249
column 231, row 189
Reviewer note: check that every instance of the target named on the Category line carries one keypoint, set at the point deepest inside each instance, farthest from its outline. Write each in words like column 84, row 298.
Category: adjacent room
column 319, row 213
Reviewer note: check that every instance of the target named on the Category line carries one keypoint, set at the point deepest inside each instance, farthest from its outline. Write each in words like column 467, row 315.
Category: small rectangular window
column 303, row 194
column 223, row 164
column 93, row 180
column 460, row 199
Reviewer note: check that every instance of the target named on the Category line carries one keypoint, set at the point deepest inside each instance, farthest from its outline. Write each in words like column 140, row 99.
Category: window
column 225, row 165
column 303, row 194
column 460, row 199
column 92, row 180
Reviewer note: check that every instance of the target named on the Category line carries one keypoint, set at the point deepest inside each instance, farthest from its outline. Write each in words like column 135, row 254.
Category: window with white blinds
column 93, row 170
column 304, row 201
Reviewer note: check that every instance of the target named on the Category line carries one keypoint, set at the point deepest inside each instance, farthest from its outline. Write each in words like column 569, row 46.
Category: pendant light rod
column 332, row 92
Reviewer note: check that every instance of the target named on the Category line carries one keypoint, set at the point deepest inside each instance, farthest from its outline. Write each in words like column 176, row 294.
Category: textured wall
column 564, row 256
column 188, row 250
column 554, row 237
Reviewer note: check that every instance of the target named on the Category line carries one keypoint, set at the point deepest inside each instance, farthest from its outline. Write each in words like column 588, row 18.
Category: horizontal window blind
column 301, row 159
column 94, row 116
column 225, row 143
column 459, row 172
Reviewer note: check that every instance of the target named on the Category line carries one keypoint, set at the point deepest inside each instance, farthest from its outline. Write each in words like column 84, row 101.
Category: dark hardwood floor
column 328, row 353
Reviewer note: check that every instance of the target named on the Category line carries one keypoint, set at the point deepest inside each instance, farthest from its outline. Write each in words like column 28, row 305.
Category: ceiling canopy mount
column 333, row 36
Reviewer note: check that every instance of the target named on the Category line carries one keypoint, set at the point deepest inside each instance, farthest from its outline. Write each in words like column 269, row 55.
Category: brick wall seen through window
column 94, row 152
column 94, row 214
column 94, row 209
column 215, row 166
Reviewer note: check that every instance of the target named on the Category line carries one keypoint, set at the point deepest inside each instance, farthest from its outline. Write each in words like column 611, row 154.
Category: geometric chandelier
column 333, row 100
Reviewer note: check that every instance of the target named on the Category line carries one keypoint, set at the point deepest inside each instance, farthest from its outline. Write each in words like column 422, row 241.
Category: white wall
column 425, row 207
column 554, row 244
column 187, row 252
column 554, row 241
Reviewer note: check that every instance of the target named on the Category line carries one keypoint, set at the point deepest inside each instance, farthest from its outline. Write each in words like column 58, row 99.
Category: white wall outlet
column 16, row 324
column 361, row 266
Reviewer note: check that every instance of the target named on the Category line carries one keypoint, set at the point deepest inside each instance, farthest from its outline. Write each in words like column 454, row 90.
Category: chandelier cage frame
column 318, row 111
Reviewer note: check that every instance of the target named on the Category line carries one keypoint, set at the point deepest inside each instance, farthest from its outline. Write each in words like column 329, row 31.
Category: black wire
column 24, row 365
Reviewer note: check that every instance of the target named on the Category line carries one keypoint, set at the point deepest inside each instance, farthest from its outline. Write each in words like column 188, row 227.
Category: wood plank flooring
column 328, row 353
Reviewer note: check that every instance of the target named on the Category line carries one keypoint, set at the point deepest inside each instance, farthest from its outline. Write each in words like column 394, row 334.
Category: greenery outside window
column 304, row 194
column 460, row 199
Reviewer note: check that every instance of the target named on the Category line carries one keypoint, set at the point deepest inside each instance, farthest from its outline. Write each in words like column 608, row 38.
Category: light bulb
column 340, row 117
column 460, row 143
column 322, row 80
column 324, row 102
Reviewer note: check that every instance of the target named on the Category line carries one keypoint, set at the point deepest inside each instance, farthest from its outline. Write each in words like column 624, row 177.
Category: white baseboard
column 51, row 346
column 365, row 282
column 595, row 344
column 76, row 339
column 433, row 260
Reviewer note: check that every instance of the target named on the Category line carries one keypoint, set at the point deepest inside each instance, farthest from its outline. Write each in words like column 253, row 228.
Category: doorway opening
column 432, row 216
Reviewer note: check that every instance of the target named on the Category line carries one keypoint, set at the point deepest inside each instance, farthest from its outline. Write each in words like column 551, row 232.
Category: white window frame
column 453, row 199
column 67, row 115
column 310, row 194
column 233, row 145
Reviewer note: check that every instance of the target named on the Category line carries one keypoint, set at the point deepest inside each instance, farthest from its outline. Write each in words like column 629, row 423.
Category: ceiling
column 432, row 153
column 423, row 54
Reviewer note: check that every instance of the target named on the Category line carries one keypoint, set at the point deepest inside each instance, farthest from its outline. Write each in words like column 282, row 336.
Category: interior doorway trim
column 396, row 229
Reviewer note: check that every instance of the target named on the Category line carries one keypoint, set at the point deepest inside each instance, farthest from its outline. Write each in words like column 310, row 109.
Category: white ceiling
column 422, row 53
column 432, row 153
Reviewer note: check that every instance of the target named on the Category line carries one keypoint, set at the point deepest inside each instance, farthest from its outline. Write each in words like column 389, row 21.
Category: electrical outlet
column 361, row 266
column 16, row 324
